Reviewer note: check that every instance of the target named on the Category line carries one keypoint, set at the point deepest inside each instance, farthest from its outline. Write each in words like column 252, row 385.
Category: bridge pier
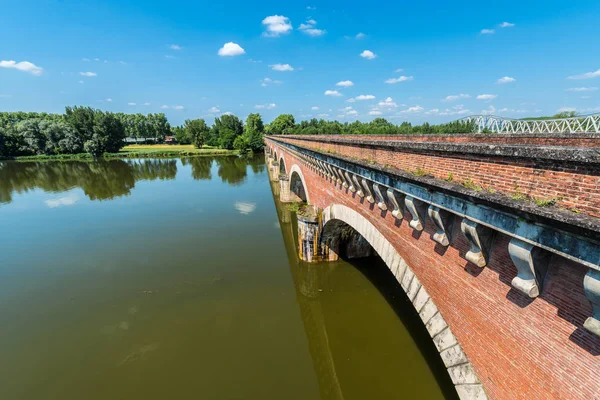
column 274, row 171
column 591, row 286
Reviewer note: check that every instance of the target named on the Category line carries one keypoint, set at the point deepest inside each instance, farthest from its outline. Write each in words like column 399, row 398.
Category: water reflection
column 362, row 347
column 104, row 180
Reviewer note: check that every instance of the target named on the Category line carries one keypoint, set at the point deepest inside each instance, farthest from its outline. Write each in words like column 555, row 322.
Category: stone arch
column 282, row 165
column 462, row 374
column 298, row 183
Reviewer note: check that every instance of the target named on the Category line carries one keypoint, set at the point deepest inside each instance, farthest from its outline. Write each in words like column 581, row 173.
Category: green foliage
column 450, row 177
column 518, row 195
column 181, row 135
column 254, row 132
column 284, row 124
column 242, row 145
column 197, row 131
column 226, row 129
column 471, row 184
column 420, row 172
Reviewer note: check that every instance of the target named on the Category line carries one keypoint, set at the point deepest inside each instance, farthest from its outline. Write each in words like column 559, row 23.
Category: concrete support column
column 274, row 170
column 284, row 188
column 591, row 286
column 309, row 232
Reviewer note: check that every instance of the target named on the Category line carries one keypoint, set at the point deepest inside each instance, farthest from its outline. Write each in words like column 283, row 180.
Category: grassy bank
column 138, row 151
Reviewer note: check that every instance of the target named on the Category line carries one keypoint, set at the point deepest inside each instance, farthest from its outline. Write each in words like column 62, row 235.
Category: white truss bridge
column 583, row 124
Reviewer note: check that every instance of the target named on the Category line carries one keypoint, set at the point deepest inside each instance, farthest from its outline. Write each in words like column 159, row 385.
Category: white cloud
column 281, row 67
column 214, row 110
column 506, row 25
column 122, row 62
column 413, row 110
column 311, row 7
column 487, row 31
column 81, row 82
column 582, row 89
column 146, row 104
column 375, row 112
column 365, row 97
column 177, row 107
column 490, row 110
column 399, row 70
column 24, row 66
column 505, row 79
column 566, row 109
column 276, row 25
column 96, row 59
column 351, row 100
column 88, row 74
column 333, row 93
column 85, row 59
column 164, row 107
column 486, row 97
column 231, row 49
column 388, row 102
column 454, row 97
column 268, row 81
column 586, row 75
column 227, row 113
column 322, row 115
column 175, row 47
column 131, row 104
column 265, row 106
column 368, row 54
column 314, row 108
column 170, row 57
column 108, row 99
column 345, row 83
column 67, row 200
column 360, row 35
column 244, row 208
column 310, row 30
column 399, row 79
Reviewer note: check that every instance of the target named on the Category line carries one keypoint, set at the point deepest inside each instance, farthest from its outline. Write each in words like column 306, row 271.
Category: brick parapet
column 564, row 175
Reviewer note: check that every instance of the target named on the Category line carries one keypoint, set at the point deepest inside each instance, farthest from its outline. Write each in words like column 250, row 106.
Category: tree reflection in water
column 107, row 179
column 100, row 180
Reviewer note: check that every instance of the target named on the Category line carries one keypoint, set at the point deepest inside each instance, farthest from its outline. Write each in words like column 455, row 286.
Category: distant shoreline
column 133, row 151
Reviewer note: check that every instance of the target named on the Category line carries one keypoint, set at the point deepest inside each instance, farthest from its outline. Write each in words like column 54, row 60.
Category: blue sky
column 335, row 60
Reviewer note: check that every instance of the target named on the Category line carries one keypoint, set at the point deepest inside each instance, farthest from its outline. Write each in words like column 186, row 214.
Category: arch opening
column 298, row 185
column 348, row 235
column 282, row 168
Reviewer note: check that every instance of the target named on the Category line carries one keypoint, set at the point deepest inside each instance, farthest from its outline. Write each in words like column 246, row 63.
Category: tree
column 226, row 129
column 282, row 125
column 254, row 132
column 197, row 131
column 181, row 135
column 82, row 120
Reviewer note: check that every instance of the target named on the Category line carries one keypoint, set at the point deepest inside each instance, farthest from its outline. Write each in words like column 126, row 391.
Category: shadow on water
column 392, row 353
column 104, row 180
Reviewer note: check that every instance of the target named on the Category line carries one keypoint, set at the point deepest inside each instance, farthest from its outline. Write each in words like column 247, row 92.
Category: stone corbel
column 418, row 210
column 368, row 192
column 532, row 266
column 591, row 286
column 480, row 238
column 345, row 183
column 444, row 223
column 359, row 191
column 396, row 199
column 380, row 200
column 338, row 175
column 351, row 186
column 329, row 171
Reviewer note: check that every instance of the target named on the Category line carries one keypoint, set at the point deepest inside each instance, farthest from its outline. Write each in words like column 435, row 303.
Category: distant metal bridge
column 492, row 123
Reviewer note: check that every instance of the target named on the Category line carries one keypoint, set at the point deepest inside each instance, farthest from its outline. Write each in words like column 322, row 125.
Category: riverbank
column 135, row 151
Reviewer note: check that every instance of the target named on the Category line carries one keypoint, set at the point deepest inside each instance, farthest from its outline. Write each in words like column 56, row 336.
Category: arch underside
column 298, row 184
column 462, row 374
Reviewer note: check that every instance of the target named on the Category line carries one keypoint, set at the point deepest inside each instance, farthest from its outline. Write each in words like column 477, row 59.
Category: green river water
column 179, row 279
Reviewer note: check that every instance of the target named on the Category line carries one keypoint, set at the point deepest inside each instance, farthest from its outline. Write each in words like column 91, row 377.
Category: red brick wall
column 575, row 187
column 520, row 348
column 572, row 141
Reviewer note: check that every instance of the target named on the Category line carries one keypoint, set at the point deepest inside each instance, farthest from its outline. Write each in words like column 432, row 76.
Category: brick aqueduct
column 495, row 239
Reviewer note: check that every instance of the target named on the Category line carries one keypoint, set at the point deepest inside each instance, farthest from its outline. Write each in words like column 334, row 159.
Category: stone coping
column 582, row 155
column 578, row 224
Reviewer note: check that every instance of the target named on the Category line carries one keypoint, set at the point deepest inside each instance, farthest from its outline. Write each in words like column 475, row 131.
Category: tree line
column 84, row 129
